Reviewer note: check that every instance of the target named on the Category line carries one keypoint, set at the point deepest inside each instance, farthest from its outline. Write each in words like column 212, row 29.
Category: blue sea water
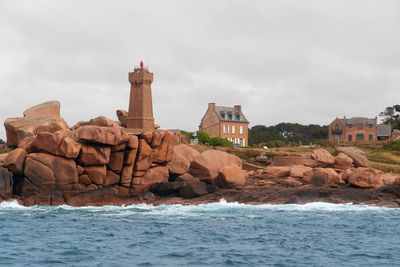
column 317, row 234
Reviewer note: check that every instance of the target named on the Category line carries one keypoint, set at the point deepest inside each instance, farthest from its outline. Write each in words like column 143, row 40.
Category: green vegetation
column 204, row 137
column 392, row 145
column 219, row 141
column 287, row 133
column 188, row 134
column 2, row 141
column 392, row 115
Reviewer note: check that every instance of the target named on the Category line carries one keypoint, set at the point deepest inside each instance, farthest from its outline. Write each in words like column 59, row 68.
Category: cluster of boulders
column 321, row 168
column 92, row 155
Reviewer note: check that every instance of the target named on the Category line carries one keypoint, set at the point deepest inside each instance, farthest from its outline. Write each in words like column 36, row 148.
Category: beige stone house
column 226, row 122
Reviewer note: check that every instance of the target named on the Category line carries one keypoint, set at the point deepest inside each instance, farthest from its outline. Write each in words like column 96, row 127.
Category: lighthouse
column 140, row 114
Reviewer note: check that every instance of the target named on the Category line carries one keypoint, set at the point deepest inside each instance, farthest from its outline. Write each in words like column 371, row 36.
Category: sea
column 217, row 234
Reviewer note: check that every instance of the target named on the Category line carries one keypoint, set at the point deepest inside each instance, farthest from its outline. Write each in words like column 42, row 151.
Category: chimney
column 238, row 107
column 376, row 120
column 344, row 117
column 211, row 106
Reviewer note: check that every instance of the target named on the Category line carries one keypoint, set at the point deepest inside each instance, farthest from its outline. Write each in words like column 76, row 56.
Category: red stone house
column 180, row 138
column 226, row 122
column 358, row 129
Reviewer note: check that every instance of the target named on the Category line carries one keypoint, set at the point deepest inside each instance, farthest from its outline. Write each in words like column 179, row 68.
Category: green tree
column 203, row 137
column 391, row 115
column 2, row 141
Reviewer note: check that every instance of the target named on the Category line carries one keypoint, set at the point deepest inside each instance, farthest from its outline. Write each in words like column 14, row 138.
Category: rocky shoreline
column 100, row 162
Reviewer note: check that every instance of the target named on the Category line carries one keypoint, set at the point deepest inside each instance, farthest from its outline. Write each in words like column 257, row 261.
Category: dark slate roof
column 384, row 130
column 353, row 121
column 230, row 114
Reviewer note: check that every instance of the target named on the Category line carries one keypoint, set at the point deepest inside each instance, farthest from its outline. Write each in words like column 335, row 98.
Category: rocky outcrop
column 206, row 166
column 46, row 108
column 182, row 158
column 322, row 158
column 6, row 183
column 342, row 161
column 230, row 177
column 356, row 154
column 274, row 172
column 371, row 178
column 18, row 129
column 60, row 143
column 46, row 173
column 15, row 161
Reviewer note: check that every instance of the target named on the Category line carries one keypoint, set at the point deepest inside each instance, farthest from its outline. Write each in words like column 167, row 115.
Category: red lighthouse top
column 141, row 64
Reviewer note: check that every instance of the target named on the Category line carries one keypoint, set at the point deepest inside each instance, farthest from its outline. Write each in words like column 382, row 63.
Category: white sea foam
column 222, row 207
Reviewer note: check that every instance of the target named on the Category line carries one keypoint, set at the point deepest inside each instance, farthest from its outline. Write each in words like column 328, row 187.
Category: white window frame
column 241, row 130
column 233, row 129
column 226, row 128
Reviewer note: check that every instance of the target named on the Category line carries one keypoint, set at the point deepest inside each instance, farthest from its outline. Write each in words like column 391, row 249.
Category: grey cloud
column 294, row 61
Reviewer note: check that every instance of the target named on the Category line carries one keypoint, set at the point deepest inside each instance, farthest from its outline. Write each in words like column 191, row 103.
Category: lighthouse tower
column 140, row 114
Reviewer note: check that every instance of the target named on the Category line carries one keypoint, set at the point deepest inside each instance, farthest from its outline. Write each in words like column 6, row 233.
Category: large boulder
column 46, row 108
column 342, row 161
column 19, row 128
column 102, row 135
column 230, row 177
column 274, row 172
column 46, row 173
column 370, row 178
column 305, row 160
column 143, row 159
column 122, row 117
column 322, row 157
column 396, row 134
column 206, row 166
column 92, row 154
column 165, row 151
column 356, row 154
column 324, row 176
column 116, row 161
column 105, row 122
column 6, row 183
column 15, row 161
column 97, row 174
column 191, row 190
column 152, row 177
column 297, row 171
column 60, row 143
column 186, row 151
column 183, row 156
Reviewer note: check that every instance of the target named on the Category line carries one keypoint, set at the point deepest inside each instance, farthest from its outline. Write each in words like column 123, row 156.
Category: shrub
column 323, row 142
column 280, row 143
column 203, row 137
column 392, row 145
column 219, row 141
column 2, row 141
column 271, row 144
column 188, row 134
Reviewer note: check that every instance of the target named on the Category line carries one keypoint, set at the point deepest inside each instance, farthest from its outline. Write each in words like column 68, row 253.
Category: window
column 234, row 140
column 337, row 136
column 241, row 130
column 350, row 125
column 226, row 128
column 238, row 117
column 350, row 137
column 360, row 137
column 370, row 137
column 233, row 129
column 370, row 126
column 337, row 127
column 359, row 126
column 243, row 143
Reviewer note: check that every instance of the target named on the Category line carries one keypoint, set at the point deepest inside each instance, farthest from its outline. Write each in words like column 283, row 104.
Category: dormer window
column 223, row 115
column 238, row 117
column 230, row 116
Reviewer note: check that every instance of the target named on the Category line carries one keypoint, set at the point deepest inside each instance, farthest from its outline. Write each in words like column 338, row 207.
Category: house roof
column 230, row 114
column 353, row 121
column 384, row 130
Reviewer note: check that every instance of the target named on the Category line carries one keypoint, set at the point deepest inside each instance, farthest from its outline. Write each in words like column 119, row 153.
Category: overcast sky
column 283, row 61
